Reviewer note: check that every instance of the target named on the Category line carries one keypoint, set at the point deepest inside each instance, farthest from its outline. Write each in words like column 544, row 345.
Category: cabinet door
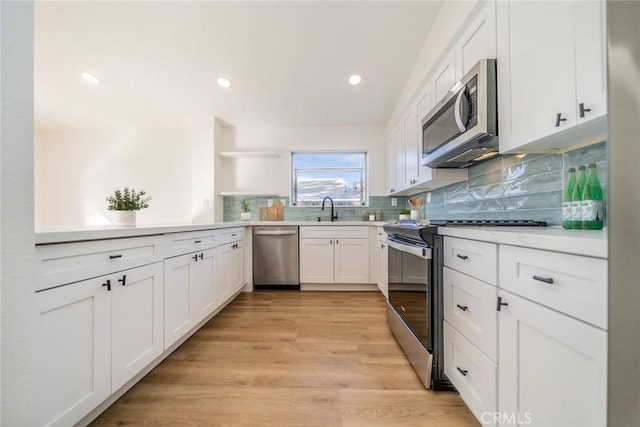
column 398, row 147
column 536, row 70
column 383, row 269
column 410, row 134
column 202, row 293
column 136, row 312
column 425, row 103
column 391, row 166
column 352, row 261
column 73, row 371
column 552, row 368
column 444, row 78
column 591, row 41
column 225, row 272
column 316, row 260
column 237, row 266
column 177, row 303
column 478, row 41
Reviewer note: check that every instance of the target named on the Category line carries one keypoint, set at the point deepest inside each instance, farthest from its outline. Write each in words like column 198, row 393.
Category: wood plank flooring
column 289, row 359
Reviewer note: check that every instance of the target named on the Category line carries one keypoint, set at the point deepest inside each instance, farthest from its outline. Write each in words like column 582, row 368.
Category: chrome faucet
column 333, row 217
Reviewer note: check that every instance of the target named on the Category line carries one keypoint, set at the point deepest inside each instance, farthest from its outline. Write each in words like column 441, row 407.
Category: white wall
column 451, row 20
column 17, row 248
column 273, row 175
column 78, row 169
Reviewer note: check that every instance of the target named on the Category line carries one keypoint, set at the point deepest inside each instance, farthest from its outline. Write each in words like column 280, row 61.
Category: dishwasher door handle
column 275, row 233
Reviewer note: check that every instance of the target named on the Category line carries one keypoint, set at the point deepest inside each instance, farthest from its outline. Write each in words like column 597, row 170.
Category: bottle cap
column 592, row 165
column 581, row 168
column 572, row 169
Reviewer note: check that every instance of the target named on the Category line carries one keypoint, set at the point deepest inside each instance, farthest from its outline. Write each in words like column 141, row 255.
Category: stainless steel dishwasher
column 275, row 257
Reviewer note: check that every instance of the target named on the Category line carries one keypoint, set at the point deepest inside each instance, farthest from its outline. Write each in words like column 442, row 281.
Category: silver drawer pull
column 463, row 257
column 115, row 256
column 462, row 307
column 198, row 241
column 464, row 372
column 548, row 280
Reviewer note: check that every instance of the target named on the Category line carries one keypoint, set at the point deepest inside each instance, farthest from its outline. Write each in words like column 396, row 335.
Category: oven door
column 409, row 294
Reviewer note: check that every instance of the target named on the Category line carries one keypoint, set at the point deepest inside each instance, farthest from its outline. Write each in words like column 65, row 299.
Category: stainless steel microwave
column 462, row 129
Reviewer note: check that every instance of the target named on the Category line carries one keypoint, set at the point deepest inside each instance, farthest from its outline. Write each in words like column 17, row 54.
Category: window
column 339, row 175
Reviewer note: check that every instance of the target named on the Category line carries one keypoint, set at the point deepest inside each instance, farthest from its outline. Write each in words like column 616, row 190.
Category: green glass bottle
column 567, row 199
column 576, row 198
column 592, row 204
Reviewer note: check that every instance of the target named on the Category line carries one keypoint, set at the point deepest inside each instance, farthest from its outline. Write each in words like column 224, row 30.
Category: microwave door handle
column 458, row 116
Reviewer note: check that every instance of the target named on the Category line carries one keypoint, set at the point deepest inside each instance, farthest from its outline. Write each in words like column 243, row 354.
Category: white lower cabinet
column 552, row 367
column 93, row 336
column 189, row 292
column 230, row 267
column 334, row 254
column 383, row 263
column 334, row 260
column 136, row 319
column 73, row 351
column 474, row 374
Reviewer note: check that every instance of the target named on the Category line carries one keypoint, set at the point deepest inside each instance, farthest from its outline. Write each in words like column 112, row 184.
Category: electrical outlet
column 284, row 202
column 394, row 201
column 269, row 202
column 428, row 198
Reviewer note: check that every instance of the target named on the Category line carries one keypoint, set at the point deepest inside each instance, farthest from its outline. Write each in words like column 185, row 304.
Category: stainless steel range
column 415, row 309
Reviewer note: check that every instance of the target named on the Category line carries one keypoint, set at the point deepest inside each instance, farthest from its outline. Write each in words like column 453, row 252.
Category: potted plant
column 245, row 213
column 404, row 214
column 126, row 202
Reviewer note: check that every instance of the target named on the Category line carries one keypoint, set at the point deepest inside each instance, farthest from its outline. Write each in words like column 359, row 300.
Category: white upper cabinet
column 550, row 60
column 591, row 78
column 478, row 41
column 445, row 77
column 410, row 136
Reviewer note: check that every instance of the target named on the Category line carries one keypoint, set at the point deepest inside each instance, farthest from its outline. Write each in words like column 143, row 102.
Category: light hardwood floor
column 285, row 359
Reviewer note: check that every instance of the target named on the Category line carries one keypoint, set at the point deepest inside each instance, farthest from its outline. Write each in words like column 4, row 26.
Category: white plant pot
column 245, row 216
column 415, row 214
column 401, row 217
column 126, row 218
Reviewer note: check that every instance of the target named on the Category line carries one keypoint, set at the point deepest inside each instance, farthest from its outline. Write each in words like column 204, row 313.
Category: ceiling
column 288, row 61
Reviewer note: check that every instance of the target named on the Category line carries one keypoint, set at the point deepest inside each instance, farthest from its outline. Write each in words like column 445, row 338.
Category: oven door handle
column 424, row 253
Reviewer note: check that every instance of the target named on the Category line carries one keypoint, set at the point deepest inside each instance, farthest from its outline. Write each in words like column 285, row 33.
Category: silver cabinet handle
column 464, row 372
column 559, row 119
column 462, row 257
column 462, row 307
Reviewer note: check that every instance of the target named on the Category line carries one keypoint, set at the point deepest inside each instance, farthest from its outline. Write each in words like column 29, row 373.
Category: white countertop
column 77, row 234
column 580, row 242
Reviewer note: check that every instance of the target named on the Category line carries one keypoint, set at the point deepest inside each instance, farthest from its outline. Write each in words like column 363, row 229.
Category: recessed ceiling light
column 355, row 79
column 90, row 78
column 224, row 82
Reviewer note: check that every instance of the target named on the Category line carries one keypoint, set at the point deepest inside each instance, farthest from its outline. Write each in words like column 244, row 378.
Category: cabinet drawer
column 572, row 284
column 473, row 374
column 470, row 307
column 183, row 243
column 229, row 235
column 63, row 263
column 477, row 259
column 334, row 232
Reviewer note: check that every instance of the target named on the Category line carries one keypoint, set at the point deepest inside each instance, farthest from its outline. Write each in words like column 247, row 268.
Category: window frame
column 364, row 179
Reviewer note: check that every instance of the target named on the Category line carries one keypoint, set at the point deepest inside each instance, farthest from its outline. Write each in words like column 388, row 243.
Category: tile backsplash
column 381, row 203
column 523, row 186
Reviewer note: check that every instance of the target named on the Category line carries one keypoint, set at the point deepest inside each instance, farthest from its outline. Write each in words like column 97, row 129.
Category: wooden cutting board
column 272, row 213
